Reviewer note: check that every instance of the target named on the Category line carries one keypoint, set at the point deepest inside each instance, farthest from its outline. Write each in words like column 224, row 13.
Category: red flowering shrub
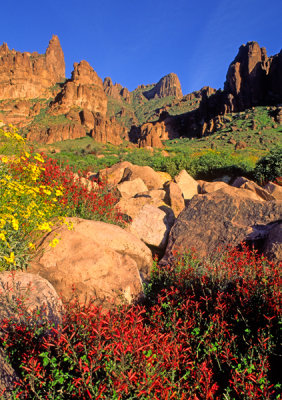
column 205, row 332
column 78, row 197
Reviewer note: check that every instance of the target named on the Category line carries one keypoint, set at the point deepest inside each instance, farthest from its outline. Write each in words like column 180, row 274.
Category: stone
column 40, row 300
column 209, row 187
column 131, row 188
column 152, row 225
column 103, row 261
column 175, row 198
column 113, row 175
column 187, row 184
column 272, row 247
column 215, row 220
column 131, row 207
column 245, row 183
column 274, row 190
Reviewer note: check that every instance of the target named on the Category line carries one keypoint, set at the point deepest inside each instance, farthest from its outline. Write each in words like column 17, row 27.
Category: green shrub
column 269, row 167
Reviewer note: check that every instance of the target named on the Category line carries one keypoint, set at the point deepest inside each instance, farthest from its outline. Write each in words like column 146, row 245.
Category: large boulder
column 152, row 225
column 102, row 261
column 215, row 220
column 23, row 295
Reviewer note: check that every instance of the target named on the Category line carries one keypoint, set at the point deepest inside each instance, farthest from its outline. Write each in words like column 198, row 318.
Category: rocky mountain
column 169, row 85
column 29, row 75
column 35, row 96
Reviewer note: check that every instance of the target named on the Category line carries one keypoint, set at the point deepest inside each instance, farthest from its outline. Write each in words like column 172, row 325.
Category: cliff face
column 29, row 75
column 253, row 78
column 84, row 90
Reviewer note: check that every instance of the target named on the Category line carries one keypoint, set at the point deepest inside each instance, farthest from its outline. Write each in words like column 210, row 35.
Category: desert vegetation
column 206, row 330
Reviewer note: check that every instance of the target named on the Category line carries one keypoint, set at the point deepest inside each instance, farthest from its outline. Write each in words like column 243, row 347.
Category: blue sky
column 137, row 42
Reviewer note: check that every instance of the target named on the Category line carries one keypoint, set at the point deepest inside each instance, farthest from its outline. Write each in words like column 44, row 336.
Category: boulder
column 131, row 188
column 272, row 247
column 209, row 187
column 154, row 194
column 187, row 184
column 245, row 183
column 132, row 206
column 152, row 225
column 174, row 198
column 102, row 261
column 274, row 190
column 114, row 174
column 215, row 220
column 39, row 298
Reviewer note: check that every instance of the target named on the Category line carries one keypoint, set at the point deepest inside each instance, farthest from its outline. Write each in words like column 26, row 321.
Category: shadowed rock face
column 253, row 78
column 169, row 85
column 29, row 75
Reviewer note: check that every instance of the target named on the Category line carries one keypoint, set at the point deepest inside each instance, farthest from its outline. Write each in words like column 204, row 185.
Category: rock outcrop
column 169, row 85
column 107, row 130
column 56, row 133
column 83, row 90
column 116, row 90
column 30, row 75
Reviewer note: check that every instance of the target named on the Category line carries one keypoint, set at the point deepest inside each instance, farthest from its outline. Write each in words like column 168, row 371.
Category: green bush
column 269, row 167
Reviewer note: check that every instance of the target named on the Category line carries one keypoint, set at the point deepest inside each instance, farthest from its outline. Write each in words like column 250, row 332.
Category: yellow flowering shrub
column 25, row 205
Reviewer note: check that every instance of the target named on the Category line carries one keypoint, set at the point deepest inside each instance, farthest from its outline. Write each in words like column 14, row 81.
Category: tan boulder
column 274, row 190
column 102, row 261
column 157, row 195
column 209, row 187
column 187, row 184
column 244, row 183
column 132, row 206
column 131, row 188
column 114, row 174
column 40, row 300
column 175, row 198
column 152, row 225
column 151, row 178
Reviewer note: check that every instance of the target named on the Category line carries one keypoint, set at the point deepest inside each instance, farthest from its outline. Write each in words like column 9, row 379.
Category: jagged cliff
column 29, row 75
column 33, row 85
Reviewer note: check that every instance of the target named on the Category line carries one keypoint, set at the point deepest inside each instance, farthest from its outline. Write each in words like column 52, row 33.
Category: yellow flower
column 45, row 226
column 10, row 259
column 4, row 159
column 59, row 192
column 2, row 237
column 54, row 242
column 15, row 224
column 31, row 245
column 39, row 158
